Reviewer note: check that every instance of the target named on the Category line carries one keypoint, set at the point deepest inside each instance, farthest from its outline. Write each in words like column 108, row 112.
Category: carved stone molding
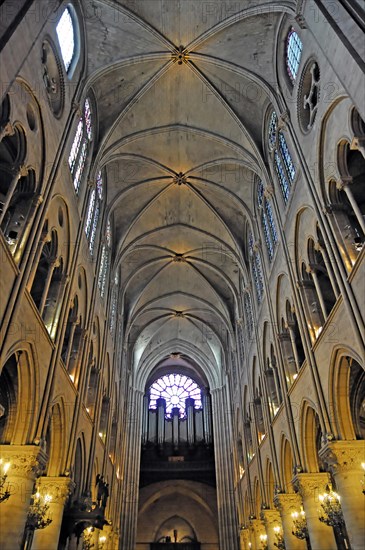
column 284, row 502
column 25, row 460
column 311, row 485
column 270, row 518
column 59, row 488
column 343, row 455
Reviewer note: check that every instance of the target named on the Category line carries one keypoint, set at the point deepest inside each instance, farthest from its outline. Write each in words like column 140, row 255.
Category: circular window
column 175, row 389
column 308, row 95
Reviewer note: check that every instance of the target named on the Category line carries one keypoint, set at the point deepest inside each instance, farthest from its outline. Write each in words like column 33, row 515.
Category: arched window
column 93, row 212
column 256, row 268
column 80, row 145
column 294, row 48
column 247, row 306
column 283, row 162
column 66, row 37
column 175, row 389
column 114, row 303
column 105, row 259
column 267, row 220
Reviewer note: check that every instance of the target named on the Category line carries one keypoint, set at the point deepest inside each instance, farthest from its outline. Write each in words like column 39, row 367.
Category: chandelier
column 263, row 539
column 300, row 529
column 279, row 543
column 331, row 506
column 38, row 517
column 87, row 542
column 4, row 493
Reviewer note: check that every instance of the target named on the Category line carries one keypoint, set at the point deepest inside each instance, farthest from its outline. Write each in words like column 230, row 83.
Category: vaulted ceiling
column 181, row 88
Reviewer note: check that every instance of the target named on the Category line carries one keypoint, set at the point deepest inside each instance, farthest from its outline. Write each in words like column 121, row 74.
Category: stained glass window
column 273, row 127
column 256, row 268
column 175, row 388
column 93, row 212
column 283, row 180
column 80, row 146
column 105, row 260
column 66, row 37
column 285, row 153
column 294, row 48
column 283, row 162
column 114, row 304
column 248, row 312
column 267, row 220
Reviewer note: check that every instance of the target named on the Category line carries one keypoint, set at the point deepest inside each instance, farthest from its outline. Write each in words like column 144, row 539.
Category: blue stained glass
column 271, row 220
column 248, row 312
column 90, row 213
column 285, row 153
column 294, row 48
column 260, row 193
column 267, row 234
column 273, row 127
column 284, row 184
column 175, row 388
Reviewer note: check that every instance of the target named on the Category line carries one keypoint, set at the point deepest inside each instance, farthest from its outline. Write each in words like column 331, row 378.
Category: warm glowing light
column 87, row 410
column 277, row 529
column 100, row 434
column 47, row 498
column 37, row 496
column 6, row 467
column 102, row 539
column 363, row 465
column 295, row 376
column 263, row 538
column 317, row 331
column 72, row 377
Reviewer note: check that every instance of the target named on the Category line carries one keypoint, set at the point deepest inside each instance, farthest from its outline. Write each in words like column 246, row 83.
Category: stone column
column 287, row 503
column 58, row 488
column 257, row 528
column 244, row 539
column 271, row 519
column 26, row 463
column 310, row 486
column 227, row 512
column 344, row 460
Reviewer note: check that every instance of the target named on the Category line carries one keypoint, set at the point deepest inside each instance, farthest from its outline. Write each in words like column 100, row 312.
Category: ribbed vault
column 181, row 89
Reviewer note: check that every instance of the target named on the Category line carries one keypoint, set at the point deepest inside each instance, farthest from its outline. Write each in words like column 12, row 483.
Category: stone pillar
column 58, row 488
column 227, row 512
column 244, row 539
column 257, row 528
column 287, row 503
column 271, row 519
column 344, row 460
column 310, row 486
column 26, row 463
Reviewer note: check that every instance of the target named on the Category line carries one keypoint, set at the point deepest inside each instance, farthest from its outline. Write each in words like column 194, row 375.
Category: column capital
column 343, row 455
column 270, row 518
column 25, row 460
column 59, row 488
column 311, row 484
column 284, row 502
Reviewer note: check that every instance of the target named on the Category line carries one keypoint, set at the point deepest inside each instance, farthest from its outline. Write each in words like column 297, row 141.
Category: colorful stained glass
column 94, row 227
column 99, row 185
column 75, row 146
column 80, row 167
column 294, row 48
column 267, row 235
column 271, row 220
column 285, row 153
column 175, row 388
column 66, row 37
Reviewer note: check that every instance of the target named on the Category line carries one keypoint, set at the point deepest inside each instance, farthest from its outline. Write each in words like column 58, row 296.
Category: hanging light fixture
column 300, row 529
column 331, row 506
column 279, row 543
column 38, row 517
column 4, row 493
